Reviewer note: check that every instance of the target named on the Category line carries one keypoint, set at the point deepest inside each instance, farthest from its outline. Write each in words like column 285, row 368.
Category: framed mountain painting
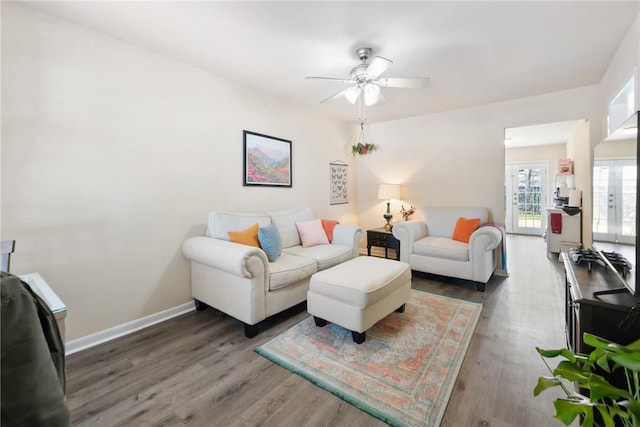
column 267, row 160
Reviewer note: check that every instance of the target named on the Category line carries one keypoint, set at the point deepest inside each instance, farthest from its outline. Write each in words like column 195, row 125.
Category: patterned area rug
column 402, row 374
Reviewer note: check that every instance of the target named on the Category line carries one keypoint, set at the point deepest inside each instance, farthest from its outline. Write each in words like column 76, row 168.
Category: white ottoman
column 358, row 293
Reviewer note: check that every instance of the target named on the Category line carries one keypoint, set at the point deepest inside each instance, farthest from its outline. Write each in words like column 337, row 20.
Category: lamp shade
column 352, row 94
column 389, row 191
column 371, row 94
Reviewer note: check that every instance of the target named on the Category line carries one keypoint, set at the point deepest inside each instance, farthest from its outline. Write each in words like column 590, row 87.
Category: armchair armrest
column 347, row 235
column 484, row 239
column 407, row 232
column 233, row 258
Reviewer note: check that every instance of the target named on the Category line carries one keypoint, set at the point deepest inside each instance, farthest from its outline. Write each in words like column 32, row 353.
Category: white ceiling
column 474, row 52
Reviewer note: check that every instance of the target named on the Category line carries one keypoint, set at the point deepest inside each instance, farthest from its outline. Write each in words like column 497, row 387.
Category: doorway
column 532, row 156
column 526, row 187
column 614, row 200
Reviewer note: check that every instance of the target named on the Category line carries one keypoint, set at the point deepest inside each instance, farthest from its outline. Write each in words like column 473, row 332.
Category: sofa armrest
column 230, row 257
column 484, row 239
column 347, row 235
column 407, row 232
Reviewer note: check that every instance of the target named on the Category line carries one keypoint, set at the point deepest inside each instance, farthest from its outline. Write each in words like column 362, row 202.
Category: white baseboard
column 501, row 272
column 88, row 341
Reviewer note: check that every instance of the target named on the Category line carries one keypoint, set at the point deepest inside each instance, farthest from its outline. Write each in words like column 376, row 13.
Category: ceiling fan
column 366, row 81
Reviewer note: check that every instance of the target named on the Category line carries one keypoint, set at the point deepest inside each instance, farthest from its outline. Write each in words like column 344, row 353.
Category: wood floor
column 200, row 370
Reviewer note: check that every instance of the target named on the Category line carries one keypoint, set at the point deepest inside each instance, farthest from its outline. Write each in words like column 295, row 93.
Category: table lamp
column 388, row 192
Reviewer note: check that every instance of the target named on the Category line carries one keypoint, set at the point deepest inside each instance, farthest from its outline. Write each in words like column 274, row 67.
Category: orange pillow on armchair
column 465, row 228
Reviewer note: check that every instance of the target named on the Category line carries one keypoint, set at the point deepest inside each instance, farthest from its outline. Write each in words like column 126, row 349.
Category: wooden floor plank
column 199, row 370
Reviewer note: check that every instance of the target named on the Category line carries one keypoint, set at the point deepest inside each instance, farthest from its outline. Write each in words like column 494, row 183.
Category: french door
column 525, row 189
column 614, row 200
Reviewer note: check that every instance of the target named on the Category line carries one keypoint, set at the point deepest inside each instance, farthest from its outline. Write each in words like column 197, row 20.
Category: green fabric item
column 32, row 370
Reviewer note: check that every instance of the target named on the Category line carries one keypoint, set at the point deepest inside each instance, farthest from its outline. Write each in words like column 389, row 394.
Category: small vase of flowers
column 406, row 213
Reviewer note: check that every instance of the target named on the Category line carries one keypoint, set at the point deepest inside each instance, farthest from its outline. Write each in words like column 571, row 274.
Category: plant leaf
column 594, row 341
column 606, row 416
column 627, row 360
column 602, row 388
column 568, row 409
column 545, row 383
column 566, row 353
column 571, row 372
column 633, row 407
column 602, row 360
column 634, row 346
column 597, row 342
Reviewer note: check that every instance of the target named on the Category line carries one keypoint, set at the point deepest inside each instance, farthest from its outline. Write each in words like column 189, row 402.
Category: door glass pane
column 629, row 174
column 614, row 200
column 600, row 198
column 529, row 198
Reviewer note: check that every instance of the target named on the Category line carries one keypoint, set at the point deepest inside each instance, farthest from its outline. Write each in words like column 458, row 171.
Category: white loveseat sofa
column 240, row 281
column 426, row 244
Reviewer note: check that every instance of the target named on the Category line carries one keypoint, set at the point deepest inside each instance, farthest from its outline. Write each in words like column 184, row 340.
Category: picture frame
column 267, row 160
column 339, row 173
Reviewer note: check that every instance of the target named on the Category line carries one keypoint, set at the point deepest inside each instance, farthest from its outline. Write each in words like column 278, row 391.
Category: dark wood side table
column 384, row 239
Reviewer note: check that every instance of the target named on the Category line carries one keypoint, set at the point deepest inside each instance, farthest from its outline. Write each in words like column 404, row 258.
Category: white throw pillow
column 312, row 233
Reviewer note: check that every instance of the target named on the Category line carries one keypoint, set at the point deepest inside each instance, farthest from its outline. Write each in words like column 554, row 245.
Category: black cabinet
column 382, row 238
column 607, row 316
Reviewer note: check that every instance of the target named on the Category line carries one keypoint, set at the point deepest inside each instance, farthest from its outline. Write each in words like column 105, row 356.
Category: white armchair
column 426, row 245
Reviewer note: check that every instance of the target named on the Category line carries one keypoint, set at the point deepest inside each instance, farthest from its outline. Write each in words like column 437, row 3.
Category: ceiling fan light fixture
column 371, row 94
column 352, row 94
column 366, row 82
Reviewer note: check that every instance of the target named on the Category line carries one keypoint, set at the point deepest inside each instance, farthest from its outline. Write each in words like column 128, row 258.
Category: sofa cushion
column 248, row 236
column 289, row 269
column 441, row 247
column 324, row 255
column 285, row 222
column 270, row 241
column 220, row 223
column 465, row 228
column 311, row 233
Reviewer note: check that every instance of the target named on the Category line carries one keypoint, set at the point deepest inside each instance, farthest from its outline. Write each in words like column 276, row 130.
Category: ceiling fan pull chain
column 362, row 113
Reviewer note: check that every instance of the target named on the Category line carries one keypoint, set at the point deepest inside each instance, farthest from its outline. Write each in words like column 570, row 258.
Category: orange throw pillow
column 248, row 236
column 465, row 228
column 328, row 226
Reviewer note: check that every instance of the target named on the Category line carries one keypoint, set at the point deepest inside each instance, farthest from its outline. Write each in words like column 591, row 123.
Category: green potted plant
column 615, row 406
column 361, row 148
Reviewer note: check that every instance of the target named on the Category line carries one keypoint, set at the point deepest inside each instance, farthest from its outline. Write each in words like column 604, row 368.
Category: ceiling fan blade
column 331, row 78
column 408, row 83
column 378, row 66
column 334, row 97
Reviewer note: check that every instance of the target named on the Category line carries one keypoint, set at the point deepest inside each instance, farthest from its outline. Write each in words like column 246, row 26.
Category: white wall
column 579, row 150
column 113, row 155
column 551, row 153
column 456, row 158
